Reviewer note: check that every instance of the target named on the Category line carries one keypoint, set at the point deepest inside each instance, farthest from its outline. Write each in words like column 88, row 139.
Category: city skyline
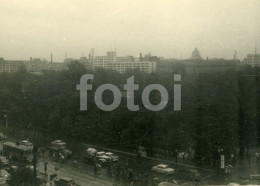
column 170, row 29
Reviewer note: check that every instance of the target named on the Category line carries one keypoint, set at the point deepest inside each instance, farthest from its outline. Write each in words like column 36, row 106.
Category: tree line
column 220, row 110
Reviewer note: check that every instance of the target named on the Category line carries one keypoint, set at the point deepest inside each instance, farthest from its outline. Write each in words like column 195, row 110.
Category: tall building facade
column 11, row 65
column 253, row 60
column 121, row 64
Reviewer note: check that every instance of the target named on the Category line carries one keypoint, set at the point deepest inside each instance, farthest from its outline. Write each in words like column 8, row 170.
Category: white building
column 121, row 64
column 253, row 60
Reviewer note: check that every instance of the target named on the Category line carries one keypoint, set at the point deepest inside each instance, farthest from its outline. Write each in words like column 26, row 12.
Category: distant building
column 252, row 60
column 211, row 65
column 121, row 64
column 34, row 65
column 11, row 65
column 83, row 60
column 192, row 66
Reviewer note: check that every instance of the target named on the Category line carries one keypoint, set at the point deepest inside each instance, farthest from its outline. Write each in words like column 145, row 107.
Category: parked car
column 163, row 169
column 89, row 154
column 100, row 153
column 112, row 156
column 26, row 143
column 64, row 181
column 58, row 143
column 58, row 147
column 104, row 158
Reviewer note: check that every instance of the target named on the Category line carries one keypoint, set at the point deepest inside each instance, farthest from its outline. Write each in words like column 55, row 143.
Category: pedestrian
column 257, row 155
column 249, row 160
column 98, row 169
column 62, row 158
column 75, row 163
column 131, row 175
column 118, row 170
column 45, row 168
column 95, row 168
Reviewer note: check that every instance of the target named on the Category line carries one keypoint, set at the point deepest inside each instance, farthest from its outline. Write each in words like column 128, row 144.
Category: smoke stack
column 51, row 58
column 141, row 57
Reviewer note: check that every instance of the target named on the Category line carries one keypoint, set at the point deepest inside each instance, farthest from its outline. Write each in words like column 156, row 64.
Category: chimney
column 51, row 58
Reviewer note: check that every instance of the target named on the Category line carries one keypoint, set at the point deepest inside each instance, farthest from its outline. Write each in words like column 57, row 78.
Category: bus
column 18, row 152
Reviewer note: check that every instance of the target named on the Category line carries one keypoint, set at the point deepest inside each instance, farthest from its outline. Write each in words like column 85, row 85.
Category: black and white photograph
column 129, row 92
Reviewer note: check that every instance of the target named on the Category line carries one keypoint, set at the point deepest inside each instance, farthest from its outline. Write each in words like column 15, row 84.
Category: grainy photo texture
column 129, row 93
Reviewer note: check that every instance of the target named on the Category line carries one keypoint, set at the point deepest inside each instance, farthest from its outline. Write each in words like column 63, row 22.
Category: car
column 58, row 143
column 101, row 153
column 58, row 146
column 26, row 143
column 104, row 158
column 89, row 154
column 165, row 183
column 112, row 156
column 64, row 181
column 163, row 169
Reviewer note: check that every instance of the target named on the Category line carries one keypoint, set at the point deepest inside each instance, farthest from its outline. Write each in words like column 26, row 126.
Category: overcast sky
column 167, row 28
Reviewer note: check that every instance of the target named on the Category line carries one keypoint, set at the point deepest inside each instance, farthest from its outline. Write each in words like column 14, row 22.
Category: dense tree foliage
column 219, row 110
